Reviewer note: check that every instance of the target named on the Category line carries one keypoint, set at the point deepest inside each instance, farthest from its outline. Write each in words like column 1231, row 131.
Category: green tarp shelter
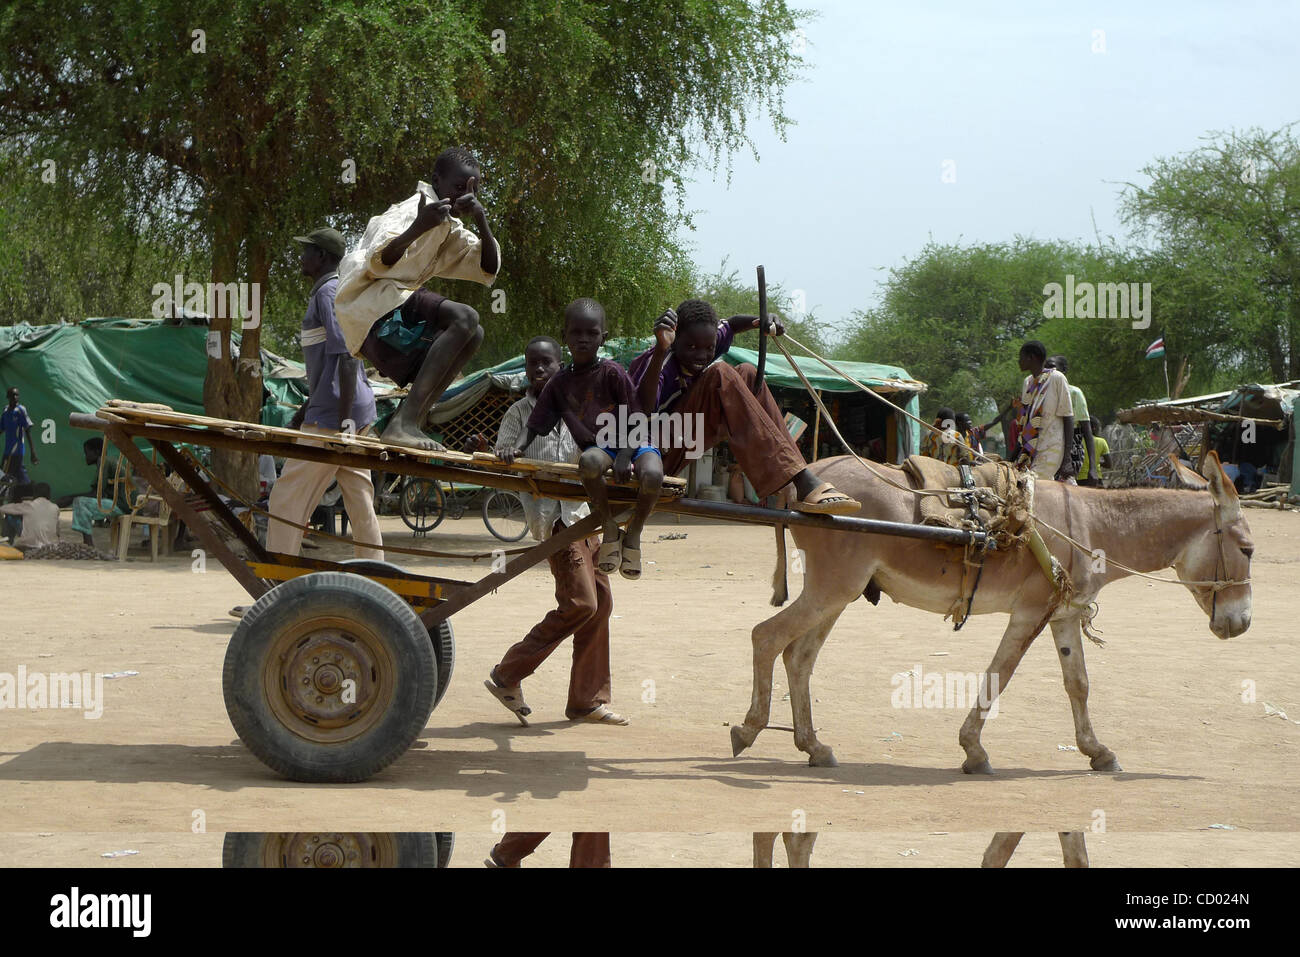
column 76, row 367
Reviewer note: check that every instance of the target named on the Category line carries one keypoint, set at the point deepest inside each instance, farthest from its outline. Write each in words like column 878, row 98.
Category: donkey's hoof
column 1106, row 761
column 738, row 740
column 983, row 767
column 823, row 758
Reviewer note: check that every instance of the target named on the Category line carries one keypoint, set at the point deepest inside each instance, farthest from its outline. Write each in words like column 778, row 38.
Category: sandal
column 629, row 565
column 826, row 499
column 512, row 698
column 610, row 555
column 602, row 715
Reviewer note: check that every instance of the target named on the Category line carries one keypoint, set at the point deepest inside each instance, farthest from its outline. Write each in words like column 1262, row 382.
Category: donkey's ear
column 1221, row 487
column 1185, row 477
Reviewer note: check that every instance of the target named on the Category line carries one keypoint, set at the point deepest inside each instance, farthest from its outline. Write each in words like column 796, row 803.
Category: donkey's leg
column 798, row 847
column 770, row 638
column 1069, row 648
column 1001, row 848
column 1020, row 633
column 1074, row 850
column 800, row 655
column 764, row 844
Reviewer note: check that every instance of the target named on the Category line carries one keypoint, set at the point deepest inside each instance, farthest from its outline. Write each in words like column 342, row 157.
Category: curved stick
column 762, row 330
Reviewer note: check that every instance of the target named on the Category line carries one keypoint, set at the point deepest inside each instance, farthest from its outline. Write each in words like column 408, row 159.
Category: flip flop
column 629, row 565
column 609, row 556
column 512, row 698
column 602, row 715
column 826, row 499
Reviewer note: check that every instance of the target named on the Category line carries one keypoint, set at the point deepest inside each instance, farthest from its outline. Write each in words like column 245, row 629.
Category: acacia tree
column 241, row 124
column 1228, row 215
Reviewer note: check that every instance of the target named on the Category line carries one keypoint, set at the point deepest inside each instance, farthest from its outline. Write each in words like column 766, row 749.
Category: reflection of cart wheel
column 446, row 841
column 422, row 505
column 444, row 640
column 332, row 849
column 329, row 677
column 503, row 514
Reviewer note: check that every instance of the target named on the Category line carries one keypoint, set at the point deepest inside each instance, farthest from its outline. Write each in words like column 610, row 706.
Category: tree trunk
column 233, row 388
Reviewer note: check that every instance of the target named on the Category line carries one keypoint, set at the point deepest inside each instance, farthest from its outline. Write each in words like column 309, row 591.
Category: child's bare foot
column 399, row 432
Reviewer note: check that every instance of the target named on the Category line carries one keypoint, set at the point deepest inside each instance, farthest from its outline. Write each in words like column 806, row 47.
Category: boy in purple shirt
column 585, row 395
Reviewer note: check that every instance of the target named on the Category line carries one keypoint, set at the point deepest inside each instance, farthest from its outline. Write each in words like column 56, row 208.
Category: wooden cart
column 335, row 669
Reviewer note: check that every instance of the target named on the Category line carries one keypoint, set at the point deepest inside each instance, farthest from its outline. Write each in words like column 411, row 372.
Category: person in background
column 1080, row 444
column 1101, row 448
column 17, row 424
column 339, row 399
column 1045, row 418
column 948, row 444
column 966, row 429
column 39, row 517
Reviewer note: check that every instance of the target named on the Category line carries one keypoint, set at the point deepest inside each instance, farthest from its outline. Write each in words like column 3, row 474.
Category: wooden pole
column 817, row 428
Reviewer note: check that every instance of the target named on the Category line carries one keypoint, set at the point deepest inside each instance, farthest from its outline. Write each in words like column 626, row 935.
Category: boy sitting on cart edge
column 582, row 593
column 413, row 336
column 682, row 373
column 583, row 395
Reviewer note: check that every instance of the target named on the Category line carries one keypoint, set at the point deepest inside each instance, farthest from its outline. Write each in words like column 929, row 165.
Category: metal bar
column 548, row 488
column 757, row 515
column 325, row 565
column 219, row 508
column 520, row 564
column 199, row 526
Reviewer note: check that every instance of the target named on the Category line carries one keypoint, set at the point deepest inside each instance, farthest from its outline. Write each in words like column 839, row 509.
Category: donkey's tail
column 780, row 587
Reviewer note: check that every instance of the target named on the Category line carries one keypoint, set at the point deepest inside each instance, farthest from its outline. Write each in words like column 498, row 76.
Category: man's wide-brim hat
column 330, row 240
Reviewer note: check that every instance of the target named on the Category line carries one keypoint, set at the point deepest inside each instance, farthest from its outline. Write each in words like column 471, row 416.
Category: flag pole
column 1165, row 360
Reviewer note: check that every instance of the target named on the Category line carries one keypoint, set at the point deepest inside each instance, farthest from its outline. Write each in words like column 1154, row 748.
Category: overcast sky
column 1039, row 129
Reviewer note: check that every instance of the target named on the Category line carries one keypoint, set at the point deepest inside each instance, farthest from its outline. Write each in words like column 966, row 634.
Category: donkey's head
column 1220, row 552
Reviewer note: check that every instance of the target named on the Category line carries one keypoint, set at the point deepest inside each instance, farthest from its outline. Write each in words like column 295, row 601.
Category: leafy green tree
column 243, row 124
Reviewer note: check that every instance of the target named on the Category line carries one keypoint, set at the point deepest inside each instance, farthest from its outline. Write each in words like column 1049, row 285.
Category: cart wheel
column 444, row 639
column 332, row 849
column 503, row 514
column 446, row 841
column 329, row 678
column 422, row 505
column 444, row 654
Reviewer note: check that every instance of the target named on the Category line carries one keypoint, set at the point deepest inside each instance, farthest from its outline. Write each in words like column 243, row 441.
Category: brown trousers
column 583, row 605
column 752, row 425
column 588, row 849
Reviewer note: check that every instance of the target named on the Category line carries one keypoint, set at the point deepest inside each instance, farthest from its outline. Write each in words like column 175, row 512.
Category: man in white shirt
column 1046, row 416
column 582, row 593
column 413, row 335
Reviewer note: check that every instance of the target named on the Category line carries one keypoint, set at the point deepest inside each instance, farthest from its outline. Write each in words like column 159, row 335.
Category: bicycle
column 424, row 503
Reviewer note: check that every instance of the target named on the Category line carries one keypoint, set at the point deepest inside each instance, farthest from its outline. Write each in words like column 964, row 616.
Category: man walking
column 339, row 400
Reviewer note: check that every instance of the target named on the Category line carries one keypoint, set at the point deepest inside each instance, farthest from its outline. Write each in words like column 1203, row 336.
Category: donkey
column 1202, row 535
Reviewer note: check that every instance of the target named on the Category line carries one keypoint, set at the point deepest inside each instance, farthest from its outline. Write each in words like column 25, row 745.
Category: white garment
column 368, row 289
column 559, row 446
column 1046, row 415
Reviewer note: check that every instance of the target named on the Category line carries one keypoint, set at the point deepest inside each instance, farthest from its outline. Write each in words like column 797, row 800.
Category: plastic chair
column 156, row 524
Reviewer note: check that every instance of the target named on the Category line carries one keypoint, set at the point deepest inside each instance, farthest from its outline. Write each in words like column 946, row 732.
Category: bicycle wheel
column 422, row 505
column 503, row 514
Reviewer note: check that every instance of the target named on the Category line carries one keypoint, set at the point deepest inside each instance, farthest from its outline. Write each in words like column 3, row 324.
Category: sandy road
column 1167, row 697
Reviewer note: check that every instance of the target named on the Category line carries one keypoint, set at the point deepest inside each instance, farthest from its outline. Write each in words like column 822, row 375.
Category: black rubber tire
column 444, row 654
column 444, row 639
column 501, row 498
column 446, row 842
column 377, row 623
column 407, row 849
column 422, row 521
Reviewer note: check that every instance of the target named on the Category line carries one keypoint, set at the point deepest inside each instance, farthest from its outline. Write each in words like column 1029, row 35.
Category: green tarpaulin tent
column 76, row 367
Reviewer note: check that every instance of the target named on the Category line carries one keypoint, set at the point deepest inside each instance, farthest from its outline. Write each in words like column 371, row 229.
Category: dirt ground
column 1166, row 696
